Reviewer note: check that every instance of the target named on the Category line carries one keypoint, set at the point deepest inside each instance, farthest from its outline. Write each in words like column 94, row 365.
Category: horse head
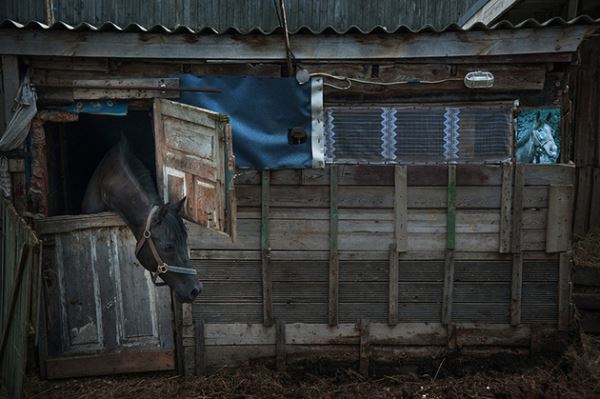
column 543, row 139
column 163, row 250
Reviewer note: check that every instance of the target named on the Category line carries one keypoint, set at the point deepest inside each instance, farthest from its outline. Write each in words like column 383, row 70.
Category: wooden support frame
column 200, row 347
column 506, row 208
column 280, row 339
column 564, row 291
column 516, row 237
column 559, row 218
column 267, row 279
column 364, row 327
column 400, row 208
column 448, row 291
column 333, row 247
column 393, row 286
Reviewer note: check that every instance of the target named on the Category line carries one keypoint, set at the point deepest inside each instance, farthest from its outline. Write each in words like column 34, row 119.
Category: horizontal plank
column 109, row 363
column 534, row 312
column 587, row 301
column 590, row 321
column 480, row 312
column 374, row 235
column 423, row 197
column 380, row 334
column 587, row 276
column 68, row 223
column 200, row 255
column 417, row 175
column 306, row 47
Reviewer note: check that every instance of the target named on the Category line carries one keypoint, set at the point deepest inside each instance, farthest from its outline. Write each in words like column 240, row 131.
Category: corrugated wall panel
column 245, row 15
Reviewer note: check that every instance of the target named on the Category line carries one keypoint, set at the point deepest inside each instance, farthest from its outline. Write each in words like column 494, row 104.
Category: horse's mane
column 140, row 173
column 137, row 169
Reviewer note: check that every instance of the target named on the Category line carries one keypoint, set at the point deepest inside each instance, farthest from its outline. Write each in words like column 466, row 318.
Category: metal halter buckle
column 161, row 269
column 147, row 234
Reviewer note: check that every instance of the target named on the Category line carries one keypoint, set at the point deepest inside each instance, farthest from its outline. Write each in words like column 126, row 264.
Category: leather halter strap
column 161, row 266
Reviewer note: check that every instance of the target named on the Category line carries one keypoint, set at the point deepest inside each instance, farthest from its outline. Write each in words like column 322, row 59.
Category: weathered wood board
column 100, row 300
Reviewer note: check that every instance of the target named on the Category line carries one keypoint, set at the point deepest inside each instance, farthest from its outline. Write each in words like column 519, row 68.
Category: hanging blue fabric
column 263, row 111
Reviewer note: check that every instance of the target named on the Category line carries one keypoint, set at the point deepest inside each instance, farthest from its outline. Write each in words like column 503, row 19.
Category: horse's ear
column 178, row 206
column 549, row 117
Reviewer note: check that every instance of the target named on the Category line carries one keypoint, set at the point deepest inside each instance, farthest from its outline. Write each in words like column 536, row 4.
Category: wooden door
column 194, row 158
column 104, row 314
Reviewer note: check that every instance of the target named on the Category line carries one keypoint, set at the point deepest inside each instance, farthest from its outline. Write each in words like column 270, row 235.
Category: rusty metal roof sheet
column 136, row 28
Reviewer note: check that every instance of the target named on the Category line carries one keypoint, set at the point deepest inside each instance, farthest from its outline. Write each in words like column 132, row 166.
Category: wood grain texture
column 109, row 363
column 333, row 248
column 516, row 289
column 200, row 355
column 400, row 208
column 265, row 247
column 564, row 292
column 393, row 287
column 560, row 218
column 506, row 207
column 280, row 345
column 364, row 327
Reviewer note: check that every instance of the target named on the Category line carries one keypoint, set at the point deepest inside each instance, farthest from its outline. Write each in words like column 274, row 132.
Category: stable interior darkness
column 74, row 150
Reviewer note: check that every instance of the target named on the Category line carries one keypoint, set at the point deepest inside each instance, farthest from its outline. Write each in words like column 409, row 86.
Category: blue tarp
column 261, row 110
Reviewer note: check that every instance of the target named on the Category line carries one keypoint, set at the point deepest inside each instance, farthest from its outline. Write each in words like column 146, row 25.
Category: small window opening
column 75, row 149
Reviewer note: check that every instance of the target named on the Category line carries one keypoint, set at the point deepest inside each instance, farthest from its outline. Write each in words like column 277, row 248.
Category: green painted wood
column 266, row 272
column 334, row 265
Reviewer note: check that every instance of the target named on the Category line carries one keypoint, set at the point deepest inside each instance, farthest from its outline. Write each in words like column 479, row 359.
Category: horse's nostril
column 194, row 292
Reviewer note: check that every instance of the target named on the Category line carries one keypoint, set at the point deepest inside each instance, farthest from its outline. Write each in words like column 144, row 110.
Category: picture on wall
column 538, row 136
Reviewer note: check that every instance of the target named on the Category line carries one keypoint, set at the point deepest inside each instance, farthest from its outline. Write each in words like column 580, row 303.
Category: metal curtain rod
column 100, row 87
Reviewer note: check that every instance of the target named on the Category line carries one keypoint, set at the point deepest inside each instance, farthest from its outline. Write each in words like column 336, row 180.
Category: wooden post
column 10, row 87
column 517, row 264
column 333, row 248
column 559, row 218
column 564, row 291
column 280, row 345
column 363, row 364
column 450, row 247
column 200, row 347
column 393, row 287
column 267, row 281
column 400, row 208
column 506, row 208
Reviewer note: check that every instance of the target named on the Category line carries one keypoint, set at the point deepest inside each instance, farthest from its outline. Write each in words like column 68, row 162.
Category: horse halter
column 541, row 144
column 161, row 267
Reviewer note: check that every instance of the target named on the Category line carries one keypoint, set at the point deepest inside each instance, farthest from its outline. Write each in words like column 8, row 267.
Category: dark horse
column 123, row 185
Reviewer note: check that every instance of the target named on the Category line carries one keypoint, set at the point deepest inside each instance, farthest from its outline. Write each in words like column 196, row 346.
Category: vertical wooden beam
column 267, row 280
column 280, row 345
column 393, row 287
column 594, row 220
column 400, row 208
column 333, row 247
column 188, row 336
column 564, row 291
column 506, row 208
column 200, row 347
column 517, row 263
column 559, row 218
column 450, row 247
column 178, row 334
column 10, row 86
column 364, row 328
column 583, row 200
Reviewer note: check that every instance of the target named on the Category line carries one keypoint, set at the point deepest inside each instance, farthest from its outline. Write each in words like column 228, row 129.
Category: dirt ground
column 575, row 374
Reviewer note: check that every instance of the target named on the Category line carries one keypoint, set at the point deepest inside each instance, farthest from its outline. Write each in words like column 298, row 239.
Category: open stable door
column 194, row 158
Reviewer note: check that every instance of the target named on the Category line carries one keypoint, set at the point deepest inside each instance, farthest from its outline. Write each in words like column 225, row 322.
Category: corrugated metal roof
column 242, row 15
column 136, row 28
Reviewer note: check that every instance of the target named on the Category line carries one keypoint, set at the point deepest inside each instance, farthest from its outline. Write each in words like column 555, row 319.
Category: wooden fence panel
column 19, row 280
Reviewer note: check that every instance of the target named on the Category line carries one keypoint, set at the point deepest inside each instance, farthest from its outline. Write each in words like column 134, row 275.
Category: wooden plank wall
column 586, row 138
column 299, row 241
column 372, row 244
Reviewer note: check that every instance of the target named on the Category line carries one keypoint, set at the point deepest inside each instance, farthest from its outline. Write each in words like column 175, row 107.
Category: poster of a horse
column 538, row 136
